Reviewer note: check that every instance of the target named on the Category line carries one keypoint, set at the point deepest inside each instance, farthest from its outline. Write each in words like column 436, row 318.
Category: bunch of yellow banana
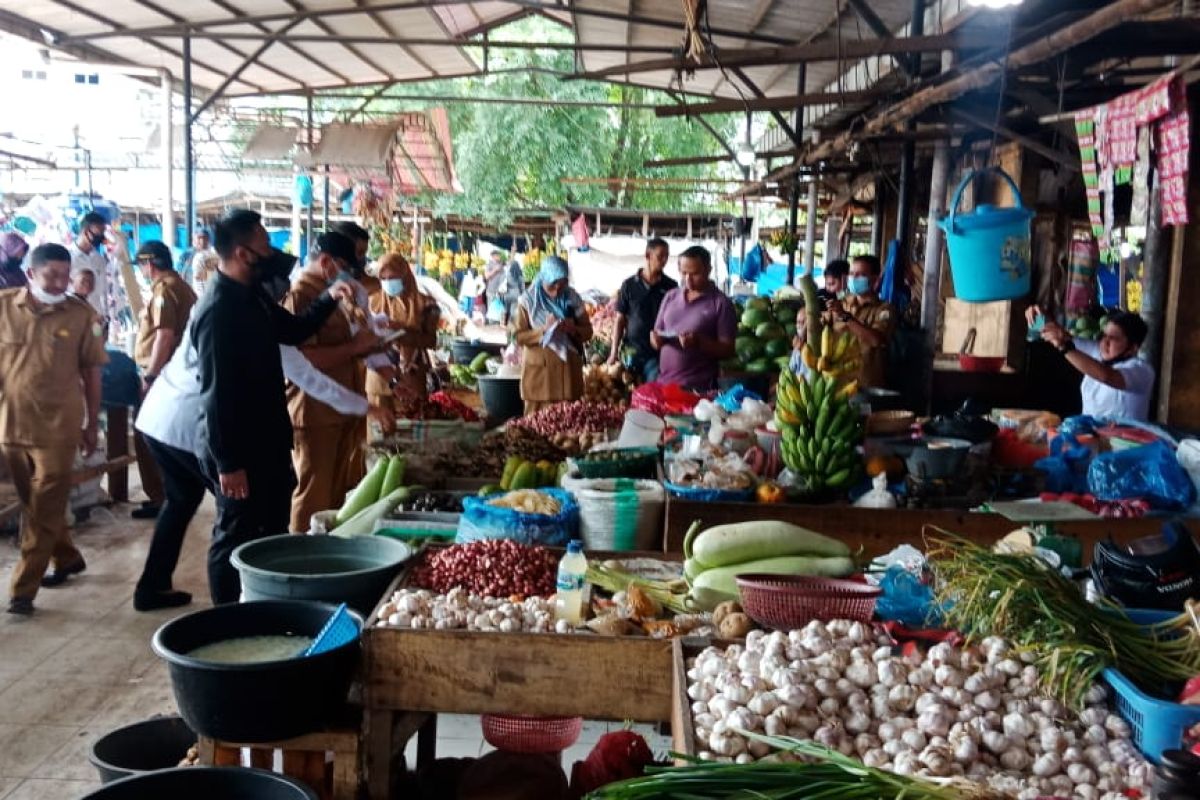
column 839, row 358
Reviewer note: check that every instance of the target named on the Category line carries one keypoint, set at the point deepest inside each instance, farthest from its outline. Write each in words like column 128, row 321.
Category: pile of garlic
column 460, row 609
column 948, row 712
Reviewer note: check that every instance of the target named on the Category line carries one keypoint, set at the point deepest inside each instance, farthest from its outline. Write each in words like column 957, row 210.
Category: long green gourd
column 749, row 541
column 365, row 493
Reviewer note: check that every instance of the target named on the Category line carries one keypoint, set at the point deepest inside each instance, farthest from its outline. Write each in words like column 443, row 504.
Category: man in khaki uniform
column 327, row 453
column 160, row 329
column 870, row 319
column 51, row 352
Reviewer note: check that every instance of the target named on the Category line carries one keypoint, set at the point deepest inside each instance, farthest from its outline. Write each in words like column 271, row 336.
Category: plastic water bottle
column 572, row 576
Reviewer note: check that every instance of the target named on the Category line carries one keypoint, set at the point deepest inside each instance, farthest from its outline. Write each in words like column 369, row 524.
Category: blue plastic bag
column 481, row 520
column 906, row 600
column 1066, row 467
column 731, row 399
column 1150, row 472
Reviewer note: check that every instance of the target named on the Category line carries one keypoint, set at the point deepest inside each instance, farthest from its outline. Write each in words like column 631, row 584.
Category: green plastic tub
column 330, row 569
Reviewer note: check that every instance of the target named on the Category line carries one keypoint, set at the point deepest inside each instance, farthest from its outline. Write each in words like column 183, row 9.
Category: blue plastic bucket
column 989, row 248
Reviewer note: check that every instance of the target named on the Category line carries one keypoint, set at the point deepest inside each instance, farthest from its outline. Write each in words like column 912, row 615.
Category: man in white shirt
column 1117, row 382
column 168, row 421
column 86, row 254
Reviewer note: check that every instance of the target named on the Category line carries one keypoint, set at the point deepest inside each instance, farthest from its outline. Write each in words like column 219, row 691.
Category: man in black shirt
column 246, row 431
column 637, row 309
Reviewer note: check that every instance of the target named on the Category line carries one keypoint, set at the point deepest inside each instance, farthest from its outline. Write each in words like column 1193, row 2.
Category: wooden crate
column 683, row 733
column 541, row 674
column 329, row 762
column 877, row 531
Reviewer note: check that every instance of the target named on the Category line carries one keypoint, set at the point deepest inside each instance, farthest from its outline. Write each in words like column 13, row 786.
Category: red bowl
column 970, row 363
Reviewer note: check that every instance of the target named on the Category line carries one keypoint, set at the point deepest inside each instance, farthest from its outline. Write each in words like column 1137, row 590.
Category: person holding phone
column 871, row 319
column 1117, row 382
column 552, row 327
column 696, row 326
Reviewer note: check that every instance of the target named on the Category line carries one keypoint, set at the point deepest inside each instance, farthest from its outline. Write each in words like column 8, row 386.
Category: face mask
column 361, row 267
column 42, row 296
column 275, row 264
column 96, row 239
column 859, row 284
column 344, row 276
column 393, row 287
column 13, row 264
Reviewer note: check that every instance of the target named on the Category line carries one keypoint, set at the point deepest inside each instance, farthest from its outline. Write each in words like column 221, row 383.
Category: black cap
column 339, row 246
column 157, row 252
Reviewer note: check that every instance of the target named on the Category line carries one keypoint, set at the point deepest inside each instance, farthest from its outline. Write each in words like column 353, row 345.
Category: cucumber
column 366, row 493
column 720, row 582
column 749, row 541
column 393, row 477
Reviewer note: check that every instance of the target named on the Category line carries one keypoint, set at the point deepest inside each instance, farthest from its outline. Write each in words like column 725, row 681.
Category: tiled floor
column 82, row 665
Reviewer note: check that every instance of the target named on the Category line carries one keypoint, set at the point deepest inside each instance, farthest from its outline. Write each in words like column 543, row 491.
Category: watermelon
column 769, row 330
column 759, row 303
column 751, row 350
column 759, row 365
column 789, row 329
column 753, row 317
column 777, row 347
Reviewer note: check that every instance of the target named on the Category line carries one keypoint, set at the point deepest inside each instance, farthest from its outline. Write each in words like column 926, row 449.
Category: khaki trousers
column 42, row 477
column 325, row 460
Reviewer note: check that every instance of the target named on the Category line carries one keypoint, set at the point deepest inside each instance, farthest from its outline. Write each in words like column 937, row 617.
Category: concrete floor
column 82, row 665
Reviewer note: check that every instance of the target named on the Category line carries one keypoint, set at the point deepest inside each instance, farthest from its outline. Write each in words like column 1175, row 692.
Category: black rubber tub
column 205, row 783
column 145, row 746
column 263, row 701
column 465, row 350
column 501, row 398
column 330, row 569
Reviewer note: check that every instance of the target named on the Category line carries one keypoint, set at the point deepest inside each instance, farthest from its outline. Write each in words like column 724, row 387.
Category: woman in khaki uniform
column 413, row 312
column 552, row 327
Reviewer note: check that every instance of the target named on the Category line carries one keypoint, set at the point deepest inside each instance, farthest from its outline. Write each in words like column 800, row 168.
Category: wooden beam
column 760, row 103
column 776, row 114
column 821, row 51
column 1057, row 156
column 878, row 27
column 685, row 162
column 982, row 76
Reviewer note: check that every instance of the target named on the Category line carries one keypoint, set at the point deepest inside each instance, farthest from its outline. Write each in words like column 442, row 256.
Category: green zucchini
column 365, row 493
column 750, row 541
column 720, row 583
column 393, row 477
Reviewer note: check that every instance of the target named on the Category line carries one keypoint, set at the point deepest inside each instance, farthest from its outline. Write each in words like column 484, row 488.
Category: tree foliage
column 512, row 157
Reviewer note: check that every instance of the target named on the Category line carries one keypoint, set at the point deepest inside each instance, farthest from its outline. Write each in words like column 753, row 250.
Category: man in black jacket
column 246, row 431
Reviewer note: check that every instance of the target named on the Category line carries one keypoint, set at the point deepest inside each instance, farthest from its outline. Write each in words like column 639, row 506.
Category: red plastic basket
column 785, row 602
column 515, row 734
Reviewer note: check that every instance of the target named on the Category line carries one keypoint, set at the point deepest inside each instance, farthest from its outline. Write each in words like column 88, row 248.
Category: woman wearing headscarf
column 415, row 313
column 12, row 254
column 552, row 327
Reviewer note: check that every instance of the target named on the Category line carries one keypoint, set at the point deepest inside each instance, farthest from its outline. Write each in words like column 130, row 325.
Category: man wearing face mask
column 13, row 250
column 86, row 253
column 870, row 319
column 1117, row 382
column 328, row 454
column 362, row 241
column 51, row 353
column 245, row 434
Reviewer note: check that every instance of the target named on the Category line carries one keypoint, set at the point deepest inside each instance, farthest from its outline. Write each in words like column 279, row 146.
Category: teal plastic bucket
column 989, row 248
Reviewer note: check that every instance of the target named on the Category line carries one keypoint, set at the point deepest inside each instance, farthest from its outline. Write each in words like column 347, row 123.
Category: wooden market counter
column 878, row 531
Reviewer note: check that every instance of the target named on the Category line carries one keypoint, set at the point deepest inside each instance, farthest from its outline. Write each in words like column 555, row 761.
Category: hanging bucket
column 989, row 248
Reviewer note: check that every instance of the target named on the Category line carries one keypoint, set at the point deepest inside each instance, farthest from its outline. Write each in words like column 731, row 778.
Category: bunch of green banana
column 839, row 356
column 820, row 431
column 462, row 376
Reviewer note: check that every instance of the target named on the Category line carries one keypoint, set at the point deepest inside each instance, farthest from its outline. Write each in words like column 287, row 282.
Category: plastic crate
column 1157, row 725
column 516, row 734
column 636, row 462
column 786, row 602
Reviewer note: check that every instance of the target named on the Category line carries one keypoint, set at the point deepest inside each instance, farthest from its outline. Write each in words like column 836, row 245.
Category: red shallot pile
column 492, row 568
column 573, row 426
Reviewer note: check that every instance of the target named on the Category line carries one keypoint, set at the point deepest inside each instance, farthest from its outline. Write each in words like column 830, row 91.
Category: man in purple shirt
column 696, row 326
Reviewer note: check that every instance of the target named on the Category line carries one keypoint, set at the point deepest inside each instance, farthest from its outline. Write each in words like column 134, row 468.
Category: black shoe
column 152, row 601
column 20, row 605
column 59, row 576
column 146, row 511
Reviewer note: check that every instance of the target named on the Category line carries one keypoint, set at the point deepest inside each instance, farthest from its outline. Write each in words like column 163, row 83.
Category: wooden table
column 878, row 531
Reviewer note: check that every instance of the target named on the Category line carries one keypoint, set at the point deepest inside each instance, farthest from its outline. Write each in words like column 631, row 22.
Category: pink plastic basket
column 515, row 734
column 785, row 602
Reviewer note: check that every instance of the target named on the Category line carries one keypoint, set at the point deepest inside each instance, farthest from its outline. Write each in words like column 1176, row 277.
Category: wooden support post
column 116, row 447
column 794, row 200
column 1156, row 266
column 877, row 217
column 810, row 229
column 931, row 285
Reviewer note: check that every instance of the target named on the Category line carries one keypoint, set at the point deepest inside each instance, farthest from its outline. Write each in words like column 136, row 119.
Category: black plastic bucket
column 501, row 398
column 263, row 701
column 146, row 746
column 205, row 783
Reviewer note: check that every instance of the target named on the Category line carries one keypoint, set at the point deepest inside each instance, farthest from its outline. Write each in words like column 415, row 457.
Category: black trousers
column 264, row 513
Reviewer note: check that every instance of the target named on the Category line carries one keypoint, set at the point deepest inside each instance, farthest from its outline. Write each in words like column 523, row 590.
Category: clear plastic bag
column 1150, row 472
column 481, row 520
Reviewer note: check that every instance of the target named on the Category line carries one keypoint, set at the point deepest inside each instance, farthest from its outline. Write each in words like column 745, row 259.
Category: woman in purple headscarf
column 12, row 253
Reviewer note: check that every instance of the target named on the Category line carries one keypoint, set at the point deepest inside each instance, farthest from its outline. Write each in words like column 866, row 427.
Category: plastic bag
column 731, row 399
column 907, row 600
column 495, row 310
column 879, row 496
column 481, row 520
column 1066, row 467
column 1150, row 472
column 664, row 399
